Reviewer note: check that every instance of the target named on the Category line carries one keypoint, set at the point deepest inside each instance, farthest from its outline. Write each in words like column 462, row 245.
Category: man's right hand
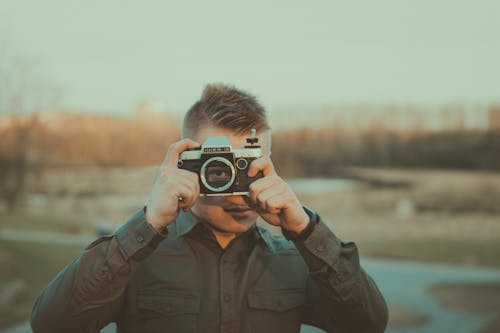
column 173, row 188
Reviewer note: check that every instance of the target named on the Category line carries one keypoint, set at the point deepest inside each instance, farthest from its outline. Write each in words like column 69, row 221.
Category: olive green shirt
column 180, row 280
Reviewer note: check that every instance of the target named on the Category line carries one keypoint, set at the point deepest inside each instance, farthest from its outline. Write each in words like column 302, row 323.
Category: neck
column 223, row 238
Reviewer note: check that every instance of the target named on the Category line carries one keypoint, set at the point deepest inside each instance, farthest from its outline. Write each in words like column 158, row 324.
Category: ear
column 265, row 142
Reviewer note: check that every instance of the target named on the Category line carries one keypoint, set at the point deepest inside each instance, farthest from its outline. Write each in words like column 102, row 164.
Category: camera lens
column 217, row 174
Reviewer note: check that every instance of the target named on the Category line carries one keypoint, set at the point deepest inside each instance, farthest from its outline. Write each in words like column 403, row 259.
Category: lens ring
column 204, row 169
column 241, row 163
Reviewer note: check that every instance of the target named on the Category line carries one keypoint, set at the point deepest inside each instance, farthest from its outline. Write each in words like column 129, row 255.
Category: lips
column 237, row 209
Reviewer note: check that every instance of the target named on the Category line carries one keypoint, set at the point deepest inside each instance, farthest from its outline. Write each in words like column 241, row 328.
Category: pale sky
column 109, row 55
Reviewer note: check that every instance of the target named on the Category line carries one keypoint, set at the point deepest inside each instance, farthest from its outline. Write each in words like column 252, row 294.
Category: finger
column 170, row 173
column 260, row 185
column 277, row 203
column 184, row 195
column 193, row 176
column 194, row 192
column 264, row 196
column 181, row 192
column 176, row 149
column 263, row 164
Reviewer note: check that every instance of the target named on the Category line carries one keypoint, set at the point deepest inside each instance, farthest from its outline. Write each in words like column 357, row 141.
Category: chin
column 225, row 214
column 231, row 222
column 235, row 224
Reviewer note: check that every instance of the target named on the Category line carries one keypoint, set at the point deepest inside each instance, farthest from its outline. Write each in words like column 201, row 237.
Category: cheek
column 210, row 201
column 208, row 205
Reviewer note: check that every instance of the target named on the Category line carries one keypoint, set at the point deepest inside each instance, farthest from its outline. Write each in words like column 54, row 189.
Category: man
column 191, row 263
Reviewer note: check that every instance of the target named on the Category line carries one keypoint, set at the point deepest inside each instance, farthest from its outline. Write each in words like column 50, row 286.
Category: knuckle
column 164, row 175
column 277, row 179
column 171, row 147
column 171, row 184
column 193, row 176
column 272, row 204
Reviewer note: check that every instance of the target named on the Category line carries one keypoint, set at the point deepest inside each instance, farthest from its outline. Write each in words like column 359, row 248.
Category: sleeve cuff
column 137, row 238
column 323, row 244
column 313, row 220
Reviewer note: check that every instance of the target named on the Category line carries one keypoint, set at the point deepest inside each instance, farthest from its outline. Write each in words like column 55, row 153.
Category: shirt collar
column 266, row 237
column 185, row 222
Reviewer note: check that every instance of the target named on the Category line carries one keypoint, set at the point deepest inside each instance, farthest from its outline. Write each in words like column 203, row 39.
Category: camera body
column 222, row 170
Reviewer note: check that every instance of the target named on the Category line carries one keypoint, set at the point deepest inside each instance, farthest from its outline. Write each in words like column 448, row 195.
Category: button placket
column 226, row 296
column 225, row 280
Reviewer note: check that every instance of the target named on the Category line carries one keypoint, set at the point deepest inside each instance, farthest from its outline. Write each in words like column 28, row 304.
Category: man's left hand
column 274, row 200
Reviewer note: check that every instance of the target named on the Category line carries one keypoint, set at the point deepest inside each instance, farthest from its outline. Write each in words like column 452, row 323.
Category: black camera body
column 222, row 170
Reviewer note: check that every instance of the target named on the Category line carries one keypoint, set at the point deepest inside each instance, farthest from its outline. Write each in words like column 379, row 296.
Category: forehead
column 236, row 140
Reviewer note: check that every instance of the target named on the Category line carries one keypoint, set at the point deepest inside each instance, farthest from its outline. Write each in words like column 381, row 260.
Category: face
column 230, row 214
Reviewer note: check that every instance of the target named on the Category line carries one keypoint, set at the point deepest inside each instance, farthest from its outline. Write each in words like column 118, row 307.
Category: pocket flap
column 277, row 300
column 169, row 304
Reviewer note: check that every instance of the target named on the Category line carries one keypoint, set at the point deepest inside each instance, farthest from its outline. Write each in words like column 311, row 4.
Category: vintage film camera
column 222, row 170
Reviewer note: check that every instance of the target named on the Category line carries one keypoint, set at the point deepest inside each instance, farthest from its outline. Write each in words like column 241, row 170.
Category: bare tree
column 24, row 93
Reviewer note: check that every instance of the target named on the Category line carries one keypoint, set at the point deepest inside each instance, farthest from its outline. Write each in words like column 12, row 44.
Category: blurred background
column 385, row 114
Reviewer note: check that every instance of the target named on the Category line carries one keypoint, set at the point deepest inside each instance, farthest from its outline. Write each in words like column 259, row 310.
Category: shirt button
column 168, row 308
column 139, row 238
column 227, row 298
column 321, row 247
column 102, row 272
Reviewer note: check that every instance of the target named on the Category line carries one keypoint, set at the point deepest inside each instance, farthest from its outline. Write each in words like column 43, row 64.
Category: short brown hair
column 225, row 107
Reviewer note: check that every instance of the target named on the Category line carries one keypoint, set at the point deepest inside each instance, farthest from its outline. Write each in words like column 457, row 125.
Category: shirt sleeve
column 88, row 293
column 342, row 297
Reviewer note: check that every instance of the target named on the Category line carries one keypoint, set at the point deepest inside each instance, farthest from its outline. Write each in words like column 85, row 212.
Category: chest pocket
column 275, row 311
column 168, row 312
column 277, row 300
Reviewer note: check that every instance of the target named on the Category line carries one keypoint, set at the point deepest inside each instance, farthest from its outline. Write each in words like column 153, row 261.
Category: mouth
column 239, row 212
column 237, row 209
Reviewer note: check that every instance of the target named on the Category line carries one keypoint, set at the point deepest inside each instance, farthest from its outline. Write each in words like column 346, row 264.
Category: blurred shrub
column 327, row 152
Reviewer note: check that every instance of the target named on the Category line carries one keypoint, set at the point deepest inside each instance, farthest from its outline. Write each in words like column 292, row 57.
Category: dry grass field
column 386, row 211
column 392, row 212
